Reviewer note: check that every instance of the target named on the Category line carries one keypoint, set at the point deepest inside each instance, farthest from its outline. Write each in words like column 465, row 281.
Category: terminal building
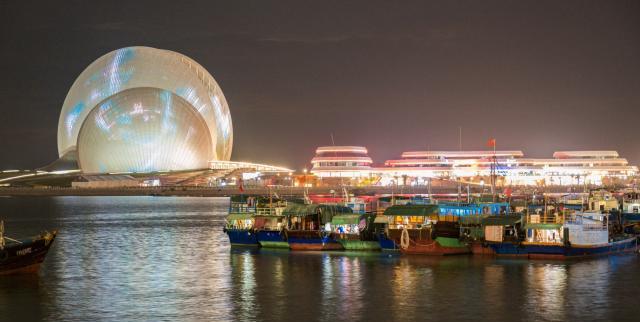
column 352, row 164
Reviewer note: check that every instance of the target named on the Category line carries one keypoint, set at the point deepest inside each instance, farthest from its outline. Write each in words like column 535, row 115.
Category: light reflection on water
column 166, row 259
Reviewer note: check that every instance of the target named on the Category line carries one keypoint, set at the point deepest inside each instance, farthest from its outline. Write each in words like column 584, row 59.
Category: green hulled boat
column 353, row 232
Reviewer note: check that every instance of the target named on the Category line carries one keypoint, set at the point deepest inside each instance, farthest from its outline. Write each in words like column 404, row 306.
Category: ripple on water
column 167, row 259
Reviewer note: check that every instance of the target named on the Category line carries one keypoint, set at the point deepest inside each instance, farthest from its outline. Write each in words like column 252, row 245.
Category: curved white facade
column 143, row 130
column 145, row 67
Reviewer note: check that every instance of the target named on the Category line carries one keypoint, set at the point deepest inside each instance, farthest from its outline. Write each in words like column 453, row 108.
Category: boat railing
column 545, row 219
column 241, row 208
column 471, row 220
column 268, row 211
column 587, row 224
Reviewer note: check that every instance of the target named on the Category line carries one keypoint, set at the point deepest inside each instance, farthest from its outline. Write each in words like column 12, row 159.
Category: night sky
column 538, row 76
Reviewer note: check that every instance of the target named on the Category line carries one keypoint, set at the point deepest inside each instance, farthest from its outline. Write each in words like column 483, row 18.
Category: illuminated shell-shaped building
column 141, row 109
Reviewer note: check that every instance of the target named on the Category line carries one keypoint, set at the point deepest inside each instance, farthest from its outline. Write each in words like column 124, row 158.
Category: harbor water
column 167, row 259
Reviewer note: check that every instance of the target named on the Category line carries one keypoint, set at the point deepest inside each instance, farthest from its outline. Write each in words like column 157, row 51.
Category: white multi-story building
column 510, row 167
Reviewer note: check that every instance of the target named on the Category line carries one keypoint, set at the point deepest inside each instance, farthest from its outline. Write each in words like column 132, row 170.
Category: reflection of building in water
column 546, row 292
column 244, row 273
column 328, row 287
column 350, row 288
column 351, row 163
column 405, row 287
column 496, row 287
column 593, row 280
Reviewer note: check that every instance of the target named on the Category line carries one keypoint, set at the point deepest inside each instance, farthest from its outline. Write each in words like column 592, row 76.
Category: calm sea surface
column 167, row 259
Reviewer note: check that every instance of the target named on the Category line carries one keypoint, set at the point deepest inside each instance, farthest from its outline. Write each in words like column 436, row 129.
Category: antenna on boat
column 335, row 154
column 460, row 138
column 494, row 165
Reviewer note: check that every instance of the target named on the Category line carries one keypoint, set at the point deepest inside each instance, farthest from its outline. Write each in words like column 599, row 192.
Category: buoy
column 404, row 239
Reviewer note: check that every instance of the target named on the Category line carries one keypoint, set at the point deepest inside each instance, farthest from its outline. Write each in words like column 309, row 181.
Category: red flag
column 240, row 185
column 508, row 192
column 491, row 143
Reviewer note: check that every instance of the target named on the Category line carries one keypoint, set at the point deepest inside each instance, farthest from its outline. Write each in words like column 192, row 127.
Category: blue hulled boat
column 557, row 236
column 240, row 224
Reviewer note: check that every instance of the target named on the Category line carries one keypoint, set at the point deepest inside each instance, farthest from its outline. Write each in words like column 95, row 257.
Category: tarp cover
column 326, row 212
column 346, row 219
column 239, row 216
column 501, row 220
column 411, row 210
column 542, row 226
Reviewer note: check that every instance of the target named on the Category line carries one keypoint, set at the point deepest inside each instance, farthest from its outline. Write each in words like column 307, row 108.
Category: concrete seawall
column 281, row 191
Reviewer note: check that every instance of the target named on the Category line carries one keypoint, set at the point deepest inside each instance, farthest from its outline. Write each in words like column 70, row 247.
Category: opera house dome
column 141, row 109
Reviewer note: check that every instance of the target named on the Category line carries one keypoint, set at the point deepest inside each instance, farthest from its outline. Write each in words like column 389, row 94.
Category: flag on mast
column 240, row 185
column 491, row 143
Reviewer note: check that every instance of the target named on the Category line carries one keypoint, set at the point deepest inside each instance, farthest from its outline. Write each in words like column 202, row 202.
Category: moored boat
column 353, row 232
column 310, row 226
column 23, row 255
column 562, row 236
column 470, row 215
column 630, row 215
column 418, row 229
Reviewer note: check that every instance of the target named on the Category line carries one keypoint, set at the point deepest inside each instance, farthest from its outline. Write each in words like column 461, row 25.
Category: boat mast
column 1, row 234
column 493, row 171
column 335, row 154
column 270, row 200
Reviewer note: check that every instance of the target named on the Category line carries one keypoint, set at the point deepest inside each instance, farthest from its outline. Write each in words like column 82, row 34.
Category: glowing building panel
column 143, row 130
column 138, row 67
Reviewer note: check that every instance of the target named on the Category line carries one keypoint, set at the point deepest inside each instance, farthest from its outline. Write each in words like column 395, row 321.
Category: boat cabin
column 603, row 201
column 313, row 217
column 411, row 216
column 418, row 220
column 502, row 228
column 631, row 203
column 587, row 229
column 255, row 213
column 240, row 221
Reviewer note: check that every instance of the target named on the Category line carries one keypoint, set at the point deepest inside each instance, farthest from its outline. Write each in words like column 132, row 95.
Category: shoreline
column 281, row 191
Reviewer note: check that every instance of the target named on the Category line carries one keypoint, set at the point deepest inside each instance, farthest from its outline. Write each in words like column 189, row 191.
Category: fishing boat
column 23, row 255
column 470, row 215
column 240, row 223
column 310, row 226
column 630, row 215
column 560, row 236
column 419, row 229
column 270, row 225
column 353, row 231
column 381, row 222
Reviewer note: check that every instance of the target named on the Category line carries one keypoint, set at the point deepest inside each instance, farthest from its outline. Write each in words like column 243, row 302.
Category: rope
column 13, row 240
